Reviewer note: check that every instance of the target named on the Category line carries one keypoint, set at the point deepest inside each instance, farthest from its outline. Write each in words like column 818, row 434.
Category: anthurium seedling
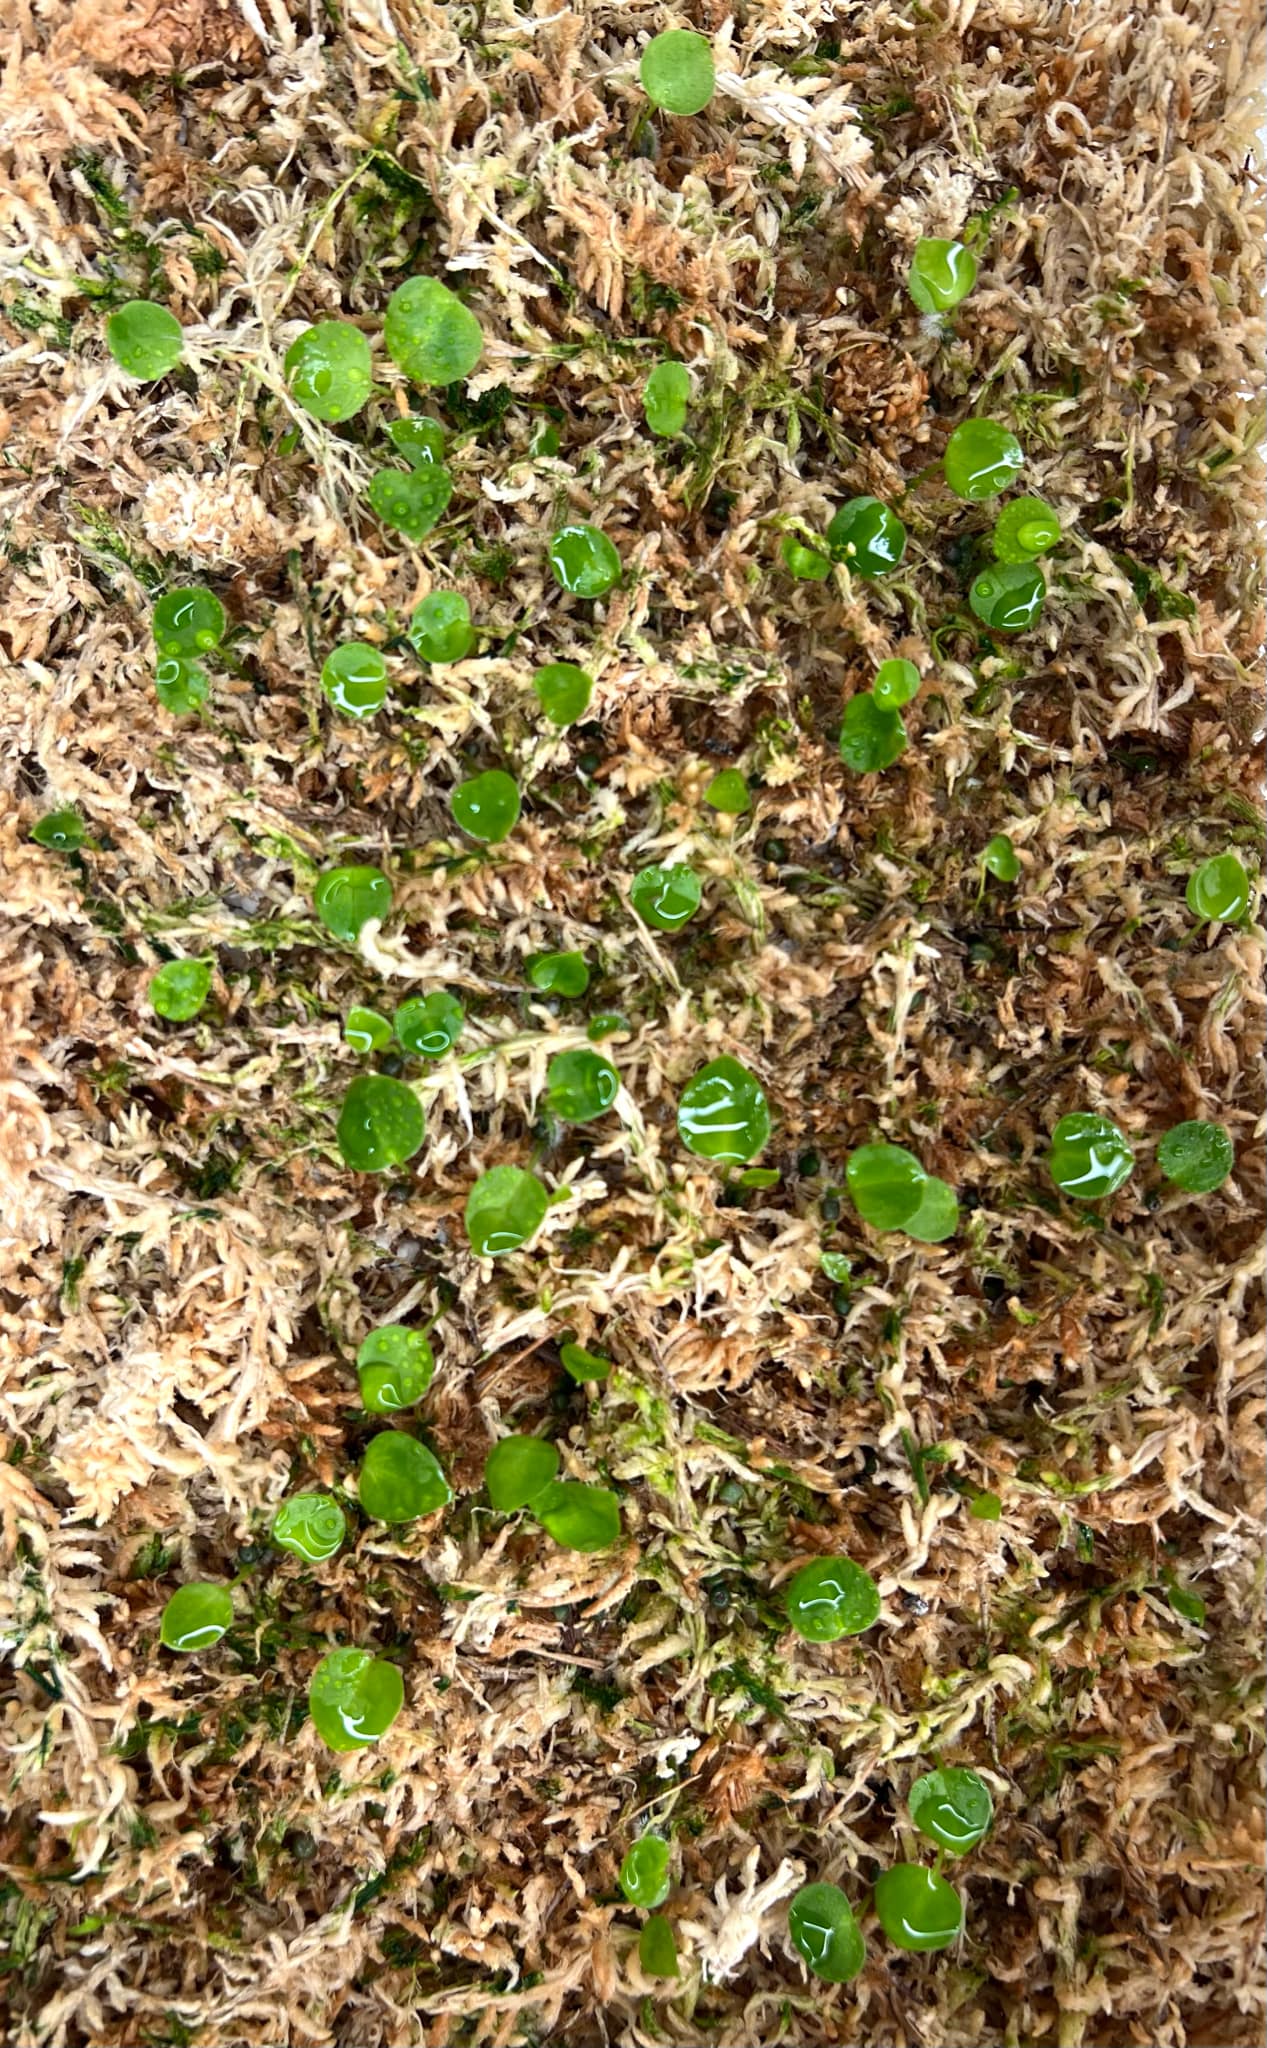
column 583, row 1366
column 366, row 1030
column 1089, row 1156
column 188, row 621
column 440, row 630
column 420, row 439
column 666, row 897
column 580, row 1086
column 953, row 1808
column 179, row 989
column 723, row 1113
column 347, row 898
column 808, row 565
column 604, row 1024
column 380, row 1124
column 825, row 1932
column 146, row 340
column 505, row 1208
column 196, row 1617
column 412, row 502
column 1025, row 529
column 1009, row 597
column 1218, row 891
column 354, row 679
column 981, row 459
column 311, row 1526
column 180, row 685
column 917, row 1909
column 329, row 371
column 60, row 831
column 896, row 683
column 728, row 792
column 830, row 1598
column 430, row 1025
column 430, row 334
column 937, row 1216
column 677, row 71
column 644, row 1873
column 400, row 1479
column 583, row 560
column 517, row 1470
column 395, row 1366
column 558, row 974
column 985, row 1507
column 353, row 1698
column 999, row 859
column 665, row 398
column 657, row 1947
column 578, row 1516
column 563, row 691
column 487, row 806
column 941, row 275
column 1196, row 1156
column 867, row 536
column 872, row 737
column 891, row 1191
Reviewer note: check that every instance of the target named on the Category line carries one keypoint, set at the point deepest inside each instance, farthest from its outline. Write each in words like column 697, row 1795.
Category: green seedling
column 872, row 737
column 1218, row 891
column 723, row 1113
column 604, row 1024
column 354, row 679
column 580, row 1086
column 563, row 691
column 578, row 1516
column 985, row 1507
column 366, row 1030
column 1025, row 529
column 145, row 340
column 896, row 683
column 584, row 561
column 941, row 275
column 728, row 792
column 558, row 974
column 347, row 899
column 179, row 989
column 400, row 1479
column 329, row 371
column 311, row 1526
column 868, row 536
column 891, row 1191
column 180, row 685
column 61, row 831
column 1089, row 1157
column 665, row 399
column 830, row 1598
column 999, row 859
column 440, row 630
column 982, row 458
column 825, row 1932
column 517, row 1470
column 644, row 1873
column 808, row 565
column 430, row 1026
column 411, row 502
column 657, row 1947
column 420, row 439
column 188, row 621
column 937, row 1216
column 677, row 71
column 196, row 1617
column 395, row 1366
column 487, row 807
column 953, row 1808
column 1197, row 1157
column 380, row 1124
column 666, row 897
column 505, row 1208
column 1009, row 597
column 353, row 1698
column 430, row 334
column 583, row 1366
column 917, row 1909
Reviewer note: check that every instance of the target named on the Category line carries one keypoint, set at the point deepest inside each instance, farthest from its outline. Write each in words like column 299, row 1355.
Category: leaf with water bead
column 329, row 370
column 917, row 1909
column 366, row 1030
column 1196, row 1156
column 412, row 502
column 430, row 334
column 723, row 1113
column 644, row 1872
column 419, row 438
column 430, row 1025
column 871, row 737
column 395, row 1366
column 583, row 560
column 1218, row 891
column 188, row 621
column 825, row 1932
column 61, row 831
column 999, row 859
column 941, row 275
column 1009, row 597
column 952, row 1808
column 440, row 630
column 179, row 989
column 487, row 806
column 558, row 974
column 830, row 1598
column 505, row 1208
column 1089, row 1157
column 196, row 1617
column 146, row 340
column 180, row 685
column 311, row 1526
column 1024, row 529
column 353, row 1698
column 580, row 1085
column 347, row 898
column 380, row 1124
column 896, row 683
column 666, row 896
column 354, row 679
column 981, row 459
column 867, row 536
column 400, row 1479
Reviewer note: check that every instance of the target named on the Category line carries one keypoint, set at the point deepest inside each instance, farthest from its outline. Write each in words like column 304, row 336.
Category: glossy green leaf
column 179, row 989
column 723, row 1113
column 644, row 1873
column 1026, row 528
column 896, row 683
column 188, row 621
column 604, row 1024
column 420, row 439
column 440, row 630
column 982, row 458
column 1218, row 891
column 563, row 691
column 180, row 685
column 1089, row 1157
column 517, row 1470
column 353, row 1698
column 311, row 1526
column 395, row 1366
column 329, row 370
column 728, row 792
column 999, row 859
column 380, row 1124
column 937, row 1216
column 886, row 1184
column 430, row 334
column 61, row 831
column 354, row 679
column 559, row 974
column 830, row 1598
column 867, row 536
column 580, row 1086
column 366, row 1030
column 871, row 738
column 412, row 502
column 808, row 565
column 824, row 1931
column 1009, row 597
column 1184, row 1602
column 942, row 273
column 1197, row 1157
column 584, row 561
column 145, row 340
column 400, row 1479
column 837, row 1267
column 677, row 71
column 985, row 1507
column 345, row 899
column 584, row 1366
column 487, row 807
column 917, row 1909
column 430, row 1026
column 952, row 1808
column 578, row 1516
column 505, row 1208
column 196, row 1617
column 657, row 1947
column 666, row 897
column 665, row 399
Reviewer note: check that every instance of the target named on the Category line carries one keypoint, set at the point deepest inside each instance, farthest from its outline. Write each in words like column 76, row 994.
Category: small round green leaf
column 1218, row 891
column 1196, row 1156
column 180, row 685
column 665, row 398
column 559, row 974
column 584, row 561
column 677, row 71
column 353, row 1698
column 345, row 899
column 505, row 1208
column 411, row 502
column 999, row 859
column 808, row 565
column 985, row 1507
column 517, row 1470
column 604, row 1024
column 644, row 1873
column 582, row 1365
column 400, row 1479
column 329, row 371
column 666, row 897
column 563, row 691
column 871, row 738
column 1025, row 528
column 824, row 1931
column 61, row 831
column 1009, row 597
column 311, row 1526
column 1089, row 1157
column 937, row 1216
column 868, row 536
column 196, row 1617
column 942, row 273
column 728, row 792
column 440, row 630
column 917, row 1909
column 145, row 340
column 430, row 1025
column 420, row 439
column 188, row 621
column 896, row 682
column 366, row 1030
column 380, row 1124
column 580, row 1086
column 830, row 1598
column 723, row 1113
column 487, row 807
column 952, row 1808
column 180, row 988
column 982, row 458
column 657, row 1947
column 887, row 1185
column 395, row 1366
column 577, row 1516
column 430, row 334
column 354, row 679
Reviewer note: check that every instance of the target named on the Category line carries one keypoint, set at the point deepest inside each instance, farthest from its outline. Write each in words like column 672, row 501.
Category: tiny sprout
column 578, row 1516
column 311, row 1526
column 366, row 1030
column 580, row 1086
column 188, row 621
column 61, row 831
column 982, row 458
column 180, row 685
column 179, row 990
column 1197, row 1157
column 1025, row 528
column 353, row 1698
column 395, row 1366
column 999, row 859
column 644, row 1873
column 420, row 439
column 1218, row 891
column 666, row 897
column 430, row 1025
column 657, row 1947
column 917, row 1909
column 354, row 678
column 545, row 443
column 517, row 1470
column 937, row 1216
column 830, row 1598
column 345, row 899
column 145, row 340
column 871, row 736
column 1009, row 597
column 328, row 370
column 196, row 1617
column 400, row 1479
column 985, row 1507
column 604, row 1024
column 430, row 334
column 1089, row 1157
column 868, row 536
column 896, row 683
column 584, row 561
column 665, row 398
column 440, row 630
column 942, row 273
column 837, row 1267
column 806, row 564
column 887, row 1185
column 505, row 1208
column 559, row 974
column 563, row 691
column 487, row 807
column 582, row 1365
column 728, row 792
column 723, row 1113
column 413, row 502
column 953, row 1808
column 1184, row 1602
column 677, row 71
column 825, row 1932
column 380, row 1124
